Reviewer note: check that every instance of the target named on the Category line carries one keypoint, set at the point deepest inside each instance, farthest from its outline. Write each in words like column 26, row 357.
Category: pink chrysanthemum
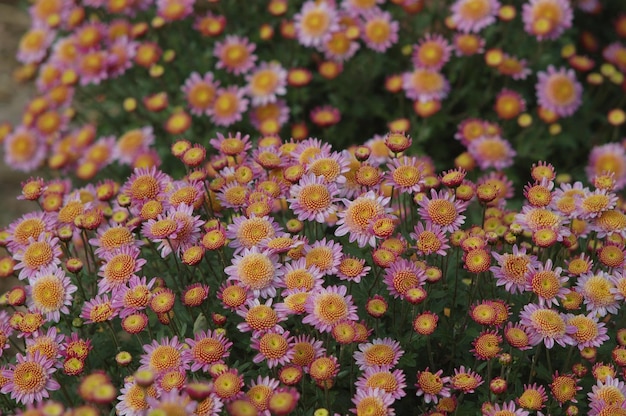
column 492, row 152
column 34, row 44
column 200, row 92
column 260, row 392
column 111, row 237
column 373, row 400
column 30, row 379
column 307, row 149
column 24, row 149
column 593, row 203
column 392, row 382
column 352, row 269
column 297, row 275
column 259, row 317
column 277, row 111
column 231, row 145
column 205, row 349
column 513, row 269
column 312, row 198
column 508, row 409
column 547, row 19
column 406, row 174
column 172, row 10
column 546, row 325
column 442, row 209
column 39, row 253
column 50, row 292
column 614, row 53
column 121, row 54
column 610, row 157
column 559, row 91
column 403, row 275
column 132, row 400
column 257, row 271
column 266, row 82
column 378, row 353
column 610, row 390
column 235, row 54
column 248, row 232
column 98, row 309
column 537, row 218
column 228, row 106
column 274, row 346
column 119, row 266
column 465, row 380
column 430, row 239
column 324, row 254
column 474, row 15
column 331, row 167
column 165, row 355
column 356, row 219
column 432, row 386
column 327, row 306
column 339, row 47
column 133, row 143
column 134, row 296
column 432, row 52
column 547, row 284
column 598, row 290
column 590, row 332
column 378, row 30
column 315, row 22
column 424, row 85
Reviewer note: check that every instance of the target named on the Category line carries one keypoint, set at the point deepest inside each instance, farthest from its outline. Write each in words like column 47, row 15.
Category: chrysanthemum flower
column 609, row 390
column 430, row 239
column 339, row 47
column 432, row 52
column 327, row 306
column 297, row 275
column 259, row 317
column 486, row 345
column 43, row 252
column 559, row 91
column 325, row 115
column 403, row 275
column 34, row 44
column 379, row 31
column 514, row 269
column 247, row 232
column 266, row 82
column 547, row 19
column 257, row 271
column 119, row 266
column 380, row 352
column 564, row 387
column 29, row 226
column 358, row 215
column 200, row 92
column 547, row 284
column 133, row 399
column 134, row 296
column 30, row 379
column 432, row 386
column 325, row 255
column 24, row 149
column 331, row 167
column 589, row 331
column 465, row 380
column 98, row 309
column 505, row 409
column 443, row 210
column 315, row 23
column 206, row 349
column 474, row 15
column 546, row 325
column 514, row 67
column 261, row 391
column 164, row 355
column 492, row 152
column 312, row 198
column 392, row 382
column 228, row 384
column 210, row 24
column 235, row 54
column 373, row 401
column 111, row 237
column 352, row 269
column 228, row 106
column 274, row 346
column 424, row 85
column 50, row 292
column 467, row 44
column 598, row 290
column 610, row 157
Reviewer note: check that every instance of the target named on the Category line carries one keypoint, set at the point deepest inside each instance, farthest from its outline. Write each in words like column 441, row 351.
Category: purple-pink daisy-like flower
column 231, row 145
column 406, row 174
column 514, row 269
column 593, row 203
column 260, row 392
column 424, row 85
column 39, row 253
column 378, row 30
column 119, row 266
column 559, row 91
column 188, row 235
column 432, row 386
column 235, row 54
column 327, row 306
column 200, row 92
column 34, row 44
column 266, row 82
column 312, row 198
column 164, row 355
column 403, row 275
column 98, row 309
column 259, row 317
column 315, row 22
column 610, row 157
column 590, row 332
column 324, row 254
column 465, row 380
column 171, row 401
column 339, row 47
column 30, row 379
column 133, row 296
column 474, row 15
column 133, row 143
column 547, row 19
column 614, row 53
column 492, row 152
column 599, row 292
column 259, row 272
column 247, row 232
column 392, row 382
column 332, row 167
column 5, row 331
column 378, row 353
column 307, row 149
column 24, row 149
column 537, row 218
column 432, row 52
column 352, row 269
column 122, row 51
column 274, row 346
column 50, row 292
column 297, row 275
column 547, row 283
column 228, row 106
column 278, row 111
column 172, row 10
column 205, row 349
column 442, row 209
column 546, row 325
column 111, row 237
column 505, row 408
column 607, row 390
column 373, row 399
column 358, row 216
column 132, row 400
column 430, row 239
column 28, row 226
